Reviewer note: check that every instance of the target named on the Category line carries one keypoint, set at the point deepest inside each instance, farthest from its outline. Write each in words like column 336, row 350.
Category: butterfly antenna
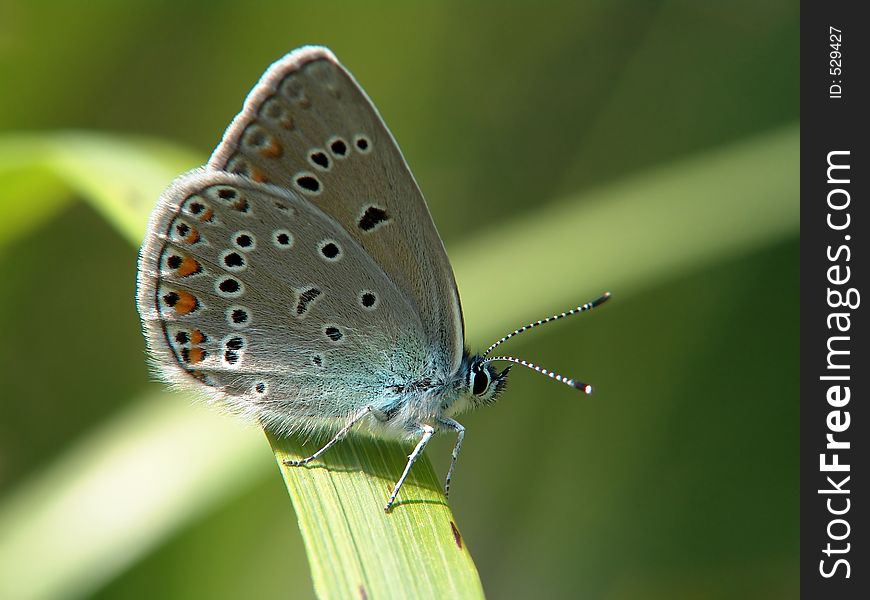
column 582, row 308
column 577, row 385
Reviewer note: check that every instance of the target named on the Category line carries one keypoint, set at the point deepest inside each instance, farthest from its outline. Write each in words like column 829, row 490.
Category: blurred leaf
column 121, row 176
column 77, row 515
column 640, row 231
column 32, row 191
column 31, row 195
column 627, row 236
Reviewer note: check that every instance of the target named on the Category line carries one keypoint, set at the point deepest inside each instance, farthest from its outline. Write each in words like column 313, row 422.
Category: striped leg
column 427, row 430
column 460, row 435
column 338, row 437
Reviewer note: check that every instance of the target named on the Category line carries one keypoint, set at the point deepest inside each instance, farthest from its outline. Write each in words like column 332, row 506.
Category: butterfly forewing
column 308, row 127
column 255, row 292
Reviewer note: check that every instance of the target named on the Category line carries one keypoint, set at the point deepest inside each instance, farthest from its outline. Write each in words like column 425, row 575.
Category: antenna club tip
column 600, row 300
column 579, row 385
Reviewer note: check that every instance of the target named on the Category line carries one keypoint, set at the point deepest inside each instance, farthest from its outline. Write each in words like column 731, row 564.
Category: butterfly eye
column 480, row 383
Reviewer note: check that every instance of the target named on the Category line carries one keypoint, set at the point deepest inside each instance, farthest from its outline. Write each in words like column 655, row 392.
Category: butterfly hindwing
column 255, row 292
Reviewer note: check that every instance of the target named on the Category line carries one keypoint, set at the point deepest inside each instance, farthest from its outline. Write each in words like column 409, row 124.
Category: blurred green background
column 679, row 478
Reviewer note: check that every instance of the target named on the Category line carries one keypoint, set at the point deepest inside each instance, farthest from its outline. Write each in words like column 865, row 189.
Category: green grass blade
column 358, row 550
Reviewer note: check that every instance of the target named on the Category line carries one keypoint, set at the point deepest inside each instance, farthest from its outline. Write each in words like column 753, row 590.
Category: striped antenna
column 577, row 385
column 582, row 308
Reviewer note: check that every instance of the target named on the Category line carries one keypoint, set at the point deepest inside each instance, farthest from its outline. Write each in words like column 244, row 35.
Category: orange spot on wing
column 196, row 355
column 207, row 215
column 197, row 337
column 189, row 266
column 186, row 304
column 193, row 236
column 273, row 150
column 258, row 175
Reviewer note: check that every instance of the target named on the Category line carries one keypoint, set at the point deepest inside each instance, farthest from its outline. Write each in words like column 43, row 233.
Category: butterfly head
column 483, row 382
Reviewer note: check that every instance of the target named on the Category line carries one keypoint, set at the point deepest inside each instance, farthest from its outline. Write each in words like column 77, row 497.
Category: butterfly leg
column 460, row 435
column 427, row 430
column 337, row 438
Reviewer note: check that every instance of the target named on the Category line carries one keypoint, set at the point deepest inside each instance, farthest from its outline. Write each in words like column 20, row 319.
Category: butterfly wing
column 253, row 291
column 307, row 126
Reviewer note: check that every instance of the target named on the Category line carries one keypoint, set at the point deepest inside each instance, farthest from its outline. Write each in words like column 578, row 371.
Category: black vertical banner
column 835, row 170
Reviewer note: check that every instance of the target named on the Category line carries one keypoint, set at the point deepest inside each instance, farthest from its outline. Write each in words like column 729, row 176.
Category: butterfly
column 298, row 279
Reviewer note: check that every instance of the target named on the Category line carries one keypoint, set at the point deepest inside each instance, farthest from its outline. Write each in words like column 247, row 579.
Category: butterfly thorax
column 430, row 398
